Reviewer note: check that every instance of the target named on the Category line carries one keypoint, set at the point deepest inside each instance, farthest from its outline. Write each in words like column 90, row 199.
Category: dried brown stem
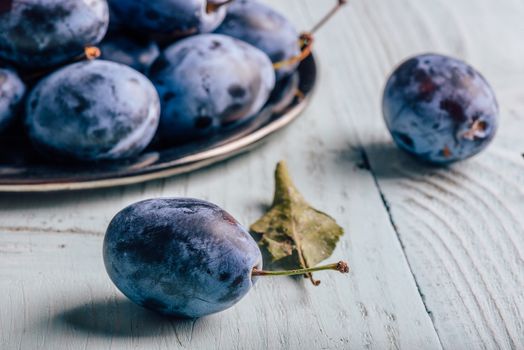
column 215, row 6
column 306, row 45
column 306, row 39
column 328, row 16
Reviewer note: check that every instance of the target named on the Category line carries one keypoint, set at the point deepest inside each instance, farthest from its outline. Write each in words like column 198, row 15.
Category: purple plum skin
column 167, row 16
column 91, row 111
column 440, row 109
column 12, row 91
column 37, row 34
column 264, row 28
column 207, row 83
column 180, row 256
column 133, row 52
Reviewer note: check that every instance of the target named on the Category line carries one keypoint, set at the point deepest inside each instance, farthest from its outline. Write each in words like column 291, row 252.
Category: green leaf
column 292, row 226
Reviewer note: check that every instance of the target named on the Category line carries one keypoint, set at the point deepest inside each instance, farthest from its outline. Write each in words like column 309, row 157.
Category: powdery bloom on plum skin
column 180, row 256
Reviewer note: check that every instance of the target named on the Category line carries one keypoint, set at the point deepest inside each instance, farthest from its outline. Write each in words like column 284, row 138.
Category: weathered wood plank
column 58, row 295
column 461, row 227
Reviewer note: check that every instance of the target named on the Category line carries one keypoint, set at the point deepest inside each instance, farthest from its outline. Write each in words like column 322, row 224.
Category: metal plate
column 23, row 170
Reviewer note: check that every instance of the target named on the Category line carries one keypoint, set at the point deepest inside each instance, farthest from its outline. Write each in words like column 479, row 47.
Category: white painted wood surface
column 437, row 255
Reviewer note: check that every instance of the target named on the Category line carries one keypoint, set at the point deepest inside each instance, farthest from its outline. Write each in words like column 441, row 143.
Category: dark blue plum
column 209, row 82
column 264, row 28
column 168, row 17
column 116, row 24
column 134, row 52
column 43, row 33
column 179, row 256
column 440, row 109
column 93, row 110
column 12, row 91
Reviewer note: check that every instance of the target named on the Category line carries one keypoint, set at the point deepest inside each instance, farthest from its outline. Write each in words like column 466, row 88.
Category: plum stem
column 306, row 45
column 341, row 266
column 92, row 52
column 306, row 39
column 328, row 16
column 212, row 6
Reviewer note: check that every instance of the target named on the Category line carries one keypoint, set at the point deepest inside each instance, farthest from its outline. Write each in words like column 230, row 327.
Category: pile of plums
column 174, row 70
column 182, row 70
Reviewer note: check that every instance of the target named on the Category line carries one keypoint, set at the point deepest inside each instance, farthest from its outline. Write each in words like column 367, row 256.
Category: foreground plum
column 133, row 52
column 38, row 34
column 181, row 257
column 264, row 28
column 440, row 109
column 209, row 82
column 169, row 17
column 94, row 110
column 12, row 91
column 184, row 257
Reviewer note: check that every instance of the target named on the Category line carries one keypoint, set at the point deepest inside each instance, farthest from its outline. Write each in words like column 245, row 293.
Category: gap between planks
column 367, row 165
column 35, row 229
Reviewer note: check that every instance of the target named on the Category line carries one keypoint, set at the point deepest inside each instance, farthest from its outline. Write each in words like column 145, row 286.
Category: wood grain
column 461, row 227
column 436, row 254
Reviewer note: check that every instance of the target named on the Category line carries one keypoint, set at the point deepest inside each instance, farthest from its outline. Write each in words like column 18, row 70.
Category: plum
column 168, row 17
column 132, row 51
column 12, row 91
column 92, row 110
column 184, row 257
column 264, row 28
column 209, row 82
column 37, row 34
column 439, row 109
